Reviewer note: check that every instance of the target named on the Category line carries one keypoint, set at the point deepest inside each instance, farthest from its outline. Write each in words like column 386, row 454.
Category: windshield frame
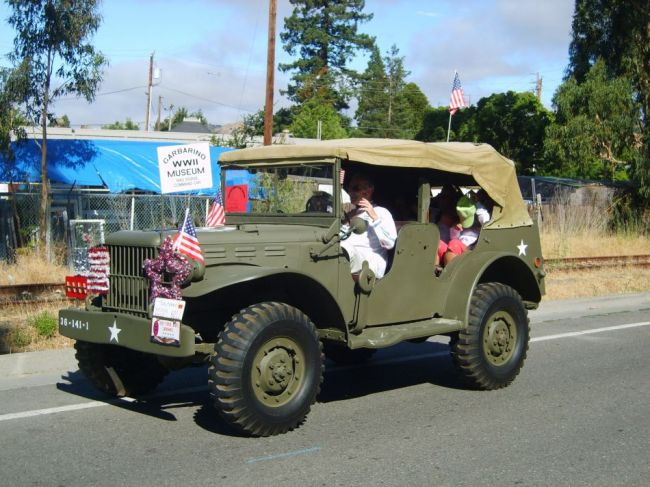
column 319, row 219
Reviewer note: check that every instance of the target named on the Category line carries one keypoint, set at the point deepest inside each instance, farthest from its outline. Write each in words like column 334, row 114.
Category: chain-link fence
column 119, row 212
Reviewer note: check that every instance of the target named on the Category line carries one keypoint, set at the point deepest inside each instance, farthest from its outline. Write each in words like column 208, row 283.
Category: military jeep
column 275, row 293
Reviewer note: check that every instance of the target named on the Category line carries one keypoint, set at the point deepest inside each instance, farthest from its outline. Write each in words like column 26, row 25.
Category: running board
column 385, row 336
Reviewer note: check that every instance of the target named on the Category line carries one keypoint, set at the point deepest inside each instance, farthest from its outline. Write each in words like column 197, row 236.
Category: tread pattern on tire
column 226, row 369
column 466, row 347
column 139, row 373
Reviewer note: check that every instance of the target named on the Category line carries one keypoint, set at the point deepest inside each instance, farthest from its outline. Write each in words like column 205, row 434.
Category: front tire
column 490, row 352
column 119, row 371
column 267, row 369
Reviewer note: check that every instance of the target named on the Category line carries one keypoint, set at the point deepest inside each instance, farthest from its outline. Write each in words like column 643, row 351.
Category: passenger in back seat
column 472, row 214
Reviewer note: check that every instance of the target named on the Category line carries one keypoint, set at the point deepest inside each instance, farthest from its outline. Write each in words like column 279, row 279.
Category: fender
column 477, row 267
column 310, row 295
column 219, row 277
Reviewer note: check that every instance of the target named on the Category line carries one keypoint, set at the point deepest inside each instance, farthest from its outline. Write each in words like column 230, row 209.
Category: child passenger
column 472, row 213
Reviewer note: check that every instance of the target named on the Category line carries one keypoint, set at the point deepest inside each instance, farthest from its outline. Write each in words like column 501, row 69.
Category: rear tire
column 490, row 352
column 119, row 371
column 267, row 369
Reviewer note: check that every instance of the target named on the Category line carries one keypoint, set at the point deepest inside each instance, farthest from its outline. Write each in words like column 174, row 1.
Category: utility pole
column 270, row 74
column 149, row 87
column 159, row 109
column 538, row 87
column 171, row 114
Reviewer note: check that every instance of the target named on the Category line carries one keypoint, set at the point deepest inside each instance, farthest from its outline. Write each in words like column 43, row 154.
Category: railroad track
column 589, row 263
column 32, row 293
column 55, row 292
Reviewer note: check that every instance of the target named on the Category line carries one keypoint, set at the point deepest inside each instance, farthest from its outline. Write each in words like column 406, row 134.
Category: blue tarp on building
column 119, row 165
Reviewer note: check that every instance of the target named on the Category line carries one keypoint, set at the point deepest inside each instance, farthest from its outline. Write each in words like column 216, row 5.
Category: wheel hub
column 278, row 371
column 499, row 338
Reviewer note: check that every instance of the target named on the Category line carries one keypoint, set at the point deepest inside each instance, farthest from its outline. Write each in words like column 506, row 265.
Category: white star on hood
column 114, row 332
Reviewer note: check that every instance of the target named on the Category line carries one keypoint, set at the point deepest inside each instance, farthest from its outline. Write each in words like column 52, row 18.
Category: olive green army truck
column 275, row 293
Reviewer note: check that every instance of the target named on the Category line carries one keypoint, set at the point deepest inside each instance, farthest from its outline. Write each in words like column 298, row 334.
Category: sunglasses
column 357, row 187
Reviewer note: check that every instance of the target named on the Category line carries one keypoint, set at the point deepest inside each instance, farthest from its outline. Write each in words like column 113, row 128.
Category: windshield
column 297, row 189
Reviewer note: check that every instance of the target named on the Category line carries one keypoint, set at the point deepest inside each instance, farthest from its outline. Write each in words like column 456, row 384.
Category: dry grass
column 31, row 269
column 599, row 282
column 591, row 244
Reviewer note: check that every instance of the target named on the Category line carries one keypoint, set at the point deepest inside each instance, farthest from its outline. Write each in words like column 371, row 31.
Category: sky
column 211, row 54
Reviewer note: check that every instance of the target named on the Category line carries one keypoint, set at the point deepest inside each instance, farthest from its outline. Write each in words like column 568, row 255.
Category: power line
column 124, row 90
column 206, row 99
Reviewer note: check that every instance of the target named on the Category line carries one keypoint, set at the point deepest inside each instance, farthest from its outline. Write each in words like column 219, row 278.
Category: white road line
column 94, row 404
column 90, row 404
column 60, row 409
column 589, row 332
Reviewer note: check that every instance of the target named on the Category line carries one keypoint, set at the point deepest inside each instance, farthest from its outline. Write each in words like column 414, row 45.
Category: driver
column 374, row 244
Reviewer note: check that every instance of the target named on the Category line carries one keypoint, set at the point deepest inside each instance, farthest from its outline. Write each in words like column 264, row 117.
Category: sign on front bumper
column 120, row 329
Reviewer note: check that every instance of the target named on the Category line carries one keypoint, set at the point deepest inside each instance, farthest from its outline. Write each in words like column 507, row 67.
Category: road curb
column 28, row 364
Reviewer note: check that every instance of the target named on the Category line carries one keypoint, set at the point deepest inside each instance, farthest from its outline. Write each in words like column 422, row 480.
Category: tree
column 11, row 121
column 597, row 127
column 618, row 33
column 398, row 111
column 283, row 118
column 388, row 106
column 179, row 116
column 310, row 113
column 324, row 35
column 62, row 121
column 436, row 121
column 51, row 46
column 418, row 105
column 371, row 113
column 514, row 124
column 127, row 125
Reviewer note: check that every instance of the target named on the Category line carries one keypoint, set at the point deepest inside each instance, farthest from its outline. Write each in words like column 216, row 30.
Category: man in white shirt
column 372, row 245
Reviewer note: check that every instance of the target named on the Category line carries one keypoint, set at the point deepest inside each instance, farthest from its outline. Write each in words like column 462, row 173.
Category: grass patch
column 45, row 323
column 29, row 327
column 20, row 337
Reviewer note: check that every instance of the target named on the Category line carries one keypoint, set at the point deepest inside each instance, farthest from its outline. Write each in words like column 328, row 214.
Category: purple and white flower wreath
column 170, row 263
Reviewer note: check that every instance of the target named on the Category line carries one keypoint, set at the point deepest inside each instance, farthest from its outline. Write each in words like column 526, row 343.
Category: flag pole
column 449, row 126
column 187, row 212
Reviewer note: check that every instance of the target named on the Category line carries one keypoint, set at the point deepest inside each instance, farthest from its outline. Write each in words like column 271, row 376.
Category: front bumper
column 119, row 329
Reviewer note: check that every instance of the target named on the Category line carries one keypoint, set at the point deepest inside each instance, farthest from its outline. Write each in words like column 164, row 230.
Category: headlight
column 197, row 272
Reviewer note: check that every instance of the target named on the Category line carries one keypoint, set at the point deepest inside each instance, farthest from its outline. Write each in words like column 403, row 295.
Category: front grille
column 128, row 290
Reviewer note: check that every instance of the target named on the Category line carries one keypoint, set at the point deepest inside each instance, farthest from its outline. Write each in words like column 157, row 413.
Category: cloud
column 507, row 40
column 427, row 14
column 495, row 45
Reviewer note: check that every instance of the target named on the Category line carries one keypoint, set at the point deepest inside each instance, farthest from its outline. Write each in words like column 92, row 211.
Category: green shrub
column 20, row 337
column 45, row 323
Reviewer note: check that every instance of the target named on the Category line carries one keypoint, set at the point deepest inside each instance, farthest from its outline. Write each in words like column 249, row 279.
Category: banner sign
column 166, row 321
column 184, row 167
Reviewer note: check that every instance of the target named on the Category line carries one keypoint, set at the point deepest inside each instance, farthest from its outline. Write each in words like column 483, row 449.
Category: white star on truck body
column 522, row 248
column 114, row 332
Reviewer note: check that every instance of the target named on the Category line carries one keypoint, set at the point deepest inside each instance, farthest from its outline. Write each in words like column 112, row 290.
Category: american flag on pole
column 216, row 214
column 186, row 241
column 457, row 99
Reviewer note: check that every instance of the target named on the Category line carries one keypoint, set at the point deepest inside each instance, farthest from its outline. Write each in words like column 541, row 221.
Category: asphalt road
column 578, row 414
